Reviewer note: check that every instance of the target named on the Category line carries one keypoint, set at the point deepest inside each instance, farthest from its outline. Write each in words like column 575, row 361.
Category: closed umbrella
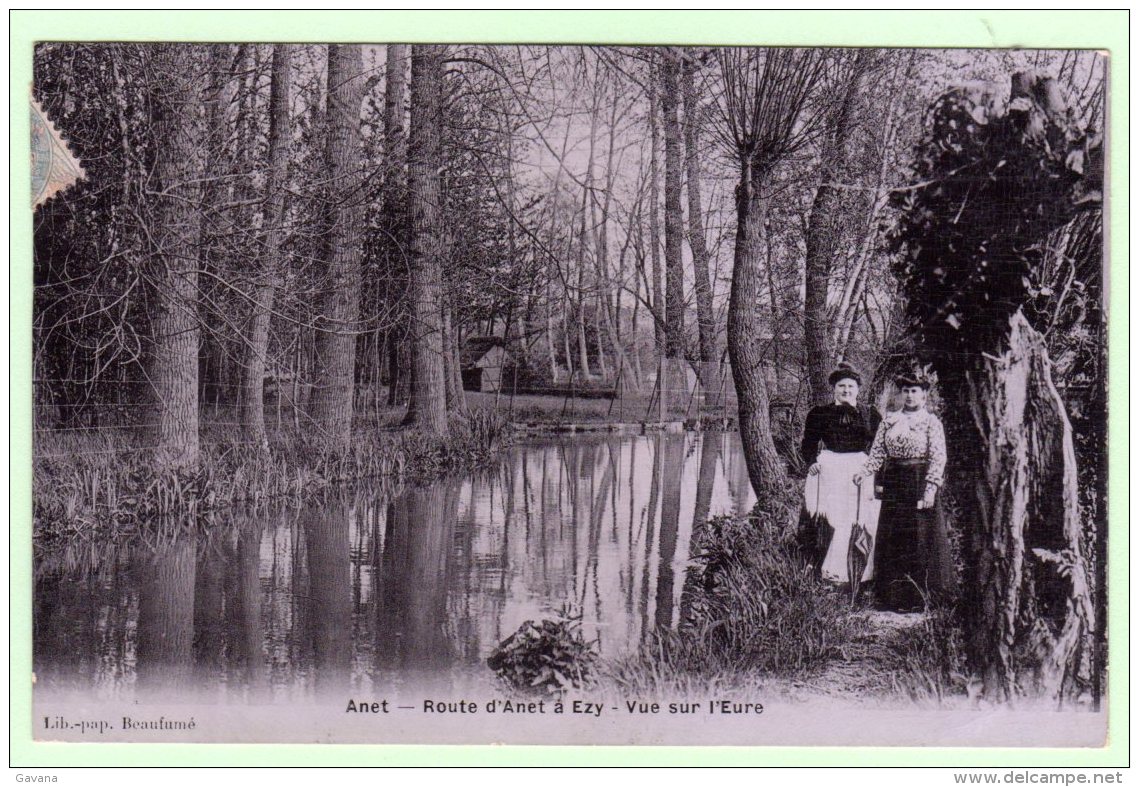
column 820, row 529
column 858, row 550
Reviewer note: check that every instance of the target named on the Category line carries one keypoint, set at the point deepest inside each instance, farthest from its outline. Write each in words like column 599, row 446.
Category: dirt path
column 868, row 669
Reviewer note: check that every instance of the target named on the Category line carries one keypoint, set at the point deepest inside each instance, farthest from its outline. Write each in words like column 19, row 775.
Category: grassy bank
column 751, row 608
column 91, row 483
column 755, row 619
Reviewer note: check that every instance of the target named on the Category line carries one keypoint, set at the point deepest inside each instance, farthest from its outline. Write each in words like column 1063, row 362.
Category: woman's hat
column 913, row 377
column 844, row 372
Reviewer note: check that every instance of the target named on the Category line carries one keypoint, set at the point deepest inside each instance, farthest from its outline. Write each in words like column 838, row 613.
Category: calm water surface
column 369, row 594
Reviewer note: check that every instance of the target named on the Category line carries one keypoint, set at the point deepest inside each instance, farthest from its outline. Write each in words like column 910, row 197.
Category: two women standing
column 846, row 444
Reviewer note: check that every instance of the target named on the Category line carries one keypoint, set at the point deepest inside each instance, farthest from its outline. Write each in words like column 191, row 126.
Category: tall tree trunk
column 332, row 399
column 452, row 374
column 847, row 308
column 824, row 228
column 654, row 210
column 427, row 407
column 765, row 468
column 1031, row 586
column 705, row 317
column 258, row 347
column 395, row 216
column 176, row 230
column 673, row 226
column 217, row 222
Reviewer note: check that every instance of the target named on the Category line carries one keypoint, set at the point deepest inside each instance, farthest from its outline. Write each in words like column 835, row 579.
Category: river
column 362, row 594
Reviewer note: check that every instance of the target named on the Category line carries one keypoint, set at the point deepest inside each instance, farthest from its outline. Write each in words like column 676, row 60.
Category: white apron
column 832, row 491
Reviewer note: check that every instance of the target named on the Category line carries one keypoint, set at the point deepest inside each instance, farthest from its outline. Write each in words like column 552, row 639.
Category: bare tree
column 824, row 226
column 253, row 384
column 705, row 316
column 336, row 340
column 176, row 92
column 395, row 210
column 765, row 117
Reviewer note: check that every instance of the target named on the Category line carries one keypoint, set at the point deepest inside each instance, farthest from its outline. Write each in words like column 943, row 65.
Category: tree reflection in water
column 374, row 592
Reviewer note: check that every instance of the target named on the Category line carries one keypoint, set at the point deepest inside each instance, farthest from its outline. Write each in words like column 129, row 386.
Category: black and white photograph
column 569, row 394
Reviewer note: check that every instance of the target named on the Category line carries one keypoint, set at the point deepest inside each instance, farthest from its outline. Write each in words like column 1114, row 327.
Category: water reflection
column 370, row 594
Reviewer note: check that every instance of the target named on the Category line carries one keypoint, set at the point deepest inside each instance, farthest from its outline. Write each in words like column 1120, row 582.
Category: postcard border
column 1104, row 30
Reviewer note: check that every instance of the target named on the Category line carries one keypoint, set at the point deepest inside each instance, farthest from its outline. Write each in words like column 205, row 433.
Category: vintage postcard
column 628, row 392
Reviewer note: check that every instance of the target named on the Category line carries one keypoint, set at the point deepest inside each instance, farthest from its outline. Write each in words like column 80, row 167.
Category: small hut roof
column 476, row 347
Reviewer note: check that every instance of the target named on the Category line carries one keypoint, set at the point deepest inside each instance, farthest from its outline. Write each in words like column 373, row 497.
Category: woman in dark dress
column 911, row 553
column 835, row 440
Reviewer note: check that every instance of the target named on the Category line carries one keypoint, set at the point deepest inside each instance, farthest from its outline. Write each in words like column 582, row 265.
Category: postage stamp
column 54, row 167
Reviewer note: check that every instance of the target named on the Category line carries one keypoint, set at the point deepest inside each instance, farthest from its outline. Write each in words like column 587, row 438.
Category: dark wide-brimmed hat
column 912, row 378
column 844, row 371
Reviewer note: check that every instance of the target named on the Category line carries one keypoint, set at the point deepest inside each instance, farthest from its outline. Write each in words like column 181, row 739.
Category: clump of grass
column 550, row 656
column 928, row 659
column 755, row 600
column 750, row 607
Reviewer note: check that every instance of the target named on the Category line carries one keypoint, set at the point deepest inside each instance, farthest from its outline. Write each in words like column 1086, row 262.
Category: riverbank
column 757, row 624
column 557, row 410
column 755, row 617
column 89, row 481
column 104, row 483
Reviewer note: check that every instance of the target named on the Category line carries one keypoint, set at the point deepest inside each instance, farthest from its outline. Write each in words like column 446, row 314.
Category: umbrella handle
column 857, row 503
column 818, row 489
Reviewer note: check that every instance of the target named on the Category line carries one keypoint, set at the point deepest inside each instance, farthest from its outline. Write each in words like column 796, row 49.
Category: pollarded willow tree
column 996, row 181
column 766, row 115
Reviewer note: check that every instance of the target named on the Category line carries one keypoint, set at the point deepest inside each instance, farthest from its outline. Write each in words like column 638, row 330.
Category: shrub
column 549, row 656
column 757, row 602
column 750, row 606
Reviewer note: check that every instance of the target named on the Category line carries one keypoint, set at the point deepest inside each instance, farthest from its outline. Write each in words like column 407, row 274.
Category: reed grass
column 97, row 483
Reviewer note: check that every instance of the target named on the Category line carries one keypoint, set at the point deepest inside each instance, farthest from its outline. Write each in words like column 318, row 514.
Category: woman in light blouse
column 911, row 554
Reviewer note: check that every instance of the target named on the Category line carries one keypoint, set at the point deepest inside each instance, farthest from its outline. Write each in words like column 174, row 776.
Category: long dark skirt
column 912, row 555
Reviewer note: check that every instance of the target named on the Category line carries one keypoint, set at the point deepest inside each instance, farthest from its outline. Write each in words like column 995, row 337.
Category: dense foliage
column 994, row 184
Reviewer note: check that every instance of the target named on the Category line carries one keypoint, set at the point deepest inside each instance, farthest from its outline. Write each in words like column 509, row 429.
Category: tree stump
column 1034, row 590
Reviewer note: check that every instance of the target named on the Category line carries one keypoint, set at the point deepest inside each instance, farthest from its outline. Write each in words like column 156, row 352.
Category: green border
column 1105, row 30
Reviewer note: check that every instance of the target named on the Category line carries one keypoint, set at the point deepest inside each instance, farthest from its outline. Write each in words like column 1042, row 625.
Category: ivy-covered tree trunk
column 332, row 398
column 996, row 182
column 674, row 378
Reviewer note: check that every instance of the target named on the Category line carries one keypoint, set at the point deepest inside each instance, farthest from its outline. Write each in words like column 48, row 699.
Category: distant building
column 481, row 362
